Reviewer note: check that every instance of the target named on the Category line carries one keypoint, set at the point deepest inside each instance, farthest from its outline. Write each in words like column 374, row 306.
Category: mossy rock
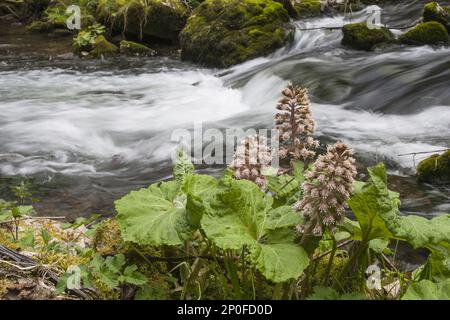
column 358, row 36
column 434, row 12
column 152, row 18
column 131, row 48
column 39, row 26
column 307, row 8
column 103, row 48
column 289, row 6
column 55, row 15
column 431, row 33
column 435, row 169
column 107, row 239
column 222, row 33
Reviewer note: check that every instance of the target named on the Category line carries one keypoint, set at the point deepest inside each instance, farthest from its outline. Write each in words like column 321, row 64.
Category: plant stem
column 277, row 291
column 330, row 261
column 359, row 250
column 196, row 266
column 231, row 269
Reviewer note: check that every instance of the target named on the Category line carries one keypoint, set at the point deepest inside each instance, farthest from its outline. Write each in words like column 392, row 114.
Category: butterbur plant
column 251, row 159
column 326, row 190
column 295, row 125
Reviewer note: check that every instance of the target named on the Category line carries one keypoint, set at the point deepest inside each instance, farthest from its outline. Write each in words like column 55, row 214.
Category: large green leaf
column 427, row 290
column 161, row 214
column 377, row 211
column 282, row 217
column 149, row 216
column 422, row 232
column 242, row 215
column 279, row 259
column 368, row 208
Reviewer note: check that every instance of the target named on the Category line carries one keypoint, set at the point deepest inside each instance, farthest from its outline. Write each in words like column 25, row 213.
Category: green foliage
column 286, row 188
column 112, row 271
column 183, row 167
column 326, row 293
column 427, row 290
column 377, row 211
column 88, row 36
column 13, row 211
column 243, row 216
column 149, row 216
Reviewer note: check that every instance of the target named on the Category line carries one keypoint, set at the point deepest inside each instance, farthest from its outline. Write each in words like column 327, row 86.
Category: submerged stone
column 222, row 33
column 359, row 36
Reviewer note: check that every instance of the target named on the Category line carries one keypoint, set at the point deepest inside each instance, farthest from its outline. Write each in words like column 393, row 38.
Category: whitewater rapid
column 108, row 130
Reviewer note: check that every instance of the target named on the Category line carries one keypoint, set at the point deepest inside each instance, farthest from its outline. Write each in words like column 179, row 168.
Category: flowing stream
column 88, row 132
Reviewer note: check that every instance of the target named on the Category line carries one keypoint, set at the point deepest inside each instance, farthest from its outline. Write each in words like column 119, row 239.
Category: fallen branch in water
column 339, row 28
column 421, row 152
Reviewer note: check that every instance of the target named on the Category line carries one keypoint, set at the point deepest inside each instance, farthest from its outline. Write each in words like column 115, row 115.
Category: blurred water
column 87, row 133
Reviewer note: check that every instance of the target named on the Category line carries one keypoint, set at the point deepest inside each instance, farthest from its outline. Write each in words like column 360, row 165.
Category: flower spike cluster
column 295, row 125
column 327, row 189
column 251, row 158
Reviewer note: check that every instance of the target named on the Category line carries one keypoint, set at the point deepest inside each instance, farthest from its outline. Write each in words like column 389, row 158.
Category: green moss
column 307, row 8
column 222, row 33
column 289, row 6
column 103, row 48
column 152, row 18
column 426, row 33
column 434, row 12
column 131, row 48
column 107, row 239
column 55, row 16
column 39, row 26
column 360, row 37
column 435, row 168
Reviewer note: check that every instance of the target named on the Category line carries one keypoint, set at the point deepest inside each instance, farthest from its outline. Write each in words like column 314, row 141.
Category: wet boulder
column 435, row 169
column 222, row 33
column 103, row 48
column 434, row 12
column 431, row 33
column 160, row 19
column 360, row 37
